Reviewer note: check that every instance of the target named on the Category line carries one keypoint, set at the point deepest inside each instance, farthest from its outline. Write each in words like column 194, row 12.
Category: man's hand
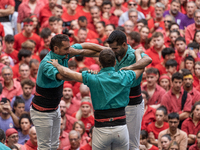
column 142, row 147
column 139, row 51
column 54, row 62
column 93, row 71
column 7, row 106
column 1, row 106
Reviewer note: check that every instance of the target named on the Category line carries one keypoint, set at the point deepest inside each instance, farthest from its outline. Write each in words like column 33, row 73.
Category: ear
column 56, row 49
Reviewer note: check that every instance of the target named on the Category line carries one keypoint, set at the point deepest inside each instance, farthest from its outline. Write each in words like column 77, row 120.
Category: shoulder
column 183, row 134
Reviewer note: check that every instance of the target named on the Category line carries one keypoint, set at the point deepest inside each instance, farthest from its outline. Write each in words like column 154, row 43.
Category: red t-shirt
column 2, row 33
column 66, row 17
column 74, row 107
column 150, row 10
column 69, row 123
column 86, row 147
column 90, row 35
column 15, row 70
column 153, row 148
column 20, row 38
column 154, row 56
column 148, row 117
column 161, row 69
column 13, row 55
column 152, row 21
column 196, row 81
column 189, row 127
column 152, row 128
column 44, row 15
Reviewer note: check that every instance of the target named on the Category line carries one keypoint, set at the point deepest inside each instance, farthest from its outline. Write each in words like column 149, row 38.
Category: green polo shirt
column 109, row 89
column 128, row 60
column 46, row 77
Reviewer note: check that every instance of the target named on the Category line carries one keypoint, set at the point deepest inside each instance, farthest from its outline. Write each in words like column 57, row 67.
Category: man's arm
column 66, row 73
column 184, row 115
column 6, row 12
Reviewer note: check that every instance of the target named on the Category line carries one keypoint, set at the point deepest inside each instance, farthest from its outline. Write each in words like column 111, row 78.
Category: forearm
column 141, row 64
column 190, row 141
column 89, row 53
column 18, row 27
column 154, row 142
column 8, row 11
column 183, row 115
column 15, row 119
column 94, row 47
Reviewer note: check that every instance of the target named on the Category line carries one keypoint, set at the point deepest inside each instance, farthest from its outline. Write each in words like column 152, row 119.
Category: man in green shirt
column 2, row 141
column 110, row 95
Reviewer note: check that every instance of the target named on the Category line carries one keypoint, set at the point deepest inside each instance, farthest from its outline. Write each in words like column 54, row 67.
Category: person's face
column 197, row 70
column 174, row 27
column 143, row 141
column 63, row 108
column 98, row 2
column 28, row 28
column 158, row 42
column 13, row 139
column 171, row 70
column 174, row 147
column 67, row 93
column 85, row 109
column 74, row 141
column 117, row 49
column 35, row 22
column 106, row 8
column 175, row 8
column 108, row 30
column 159, row 116
column 27, row 90
column 167, row 21
column 173, row 36
column 133, row 16
column 197, row 18
column 190, row 9
column 19, row 109
column 164, row 83
column 151, row 79
column 64, row 50
column 82, row 35
column 9, row 45
column 197, row 37
column 118, row 2
column 171, row 56
column 132, row 5
column 61, row 125
column 7, row 75
column 5, row 60
column 189, row 65
column 95, row 13
column 197, row 3
column 165, row 143
column 78, row 128
column 53, row 26
column 52, row 3
column 58, row 12
column 196, row 112
column 145, row 2
column 176, row 84
column 64, row 4
column 180, row 46
column 128, row 26
column 82, row 24
column 24, row 71
column 173, row 124
column 130, row 41
column 91, row 3
column 100, row 29
column 140, row 25
column 159, row 12
column 27, row 59
column 144, row 98
column 25, row 124
column 47, row 40
column 34, row 69
column 73, row 5
column 33, row 136
column 144, row 33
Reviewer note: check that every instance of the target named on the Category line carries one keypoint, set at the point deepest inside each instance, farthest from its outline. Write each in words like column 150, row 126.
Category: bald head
column 84, row 90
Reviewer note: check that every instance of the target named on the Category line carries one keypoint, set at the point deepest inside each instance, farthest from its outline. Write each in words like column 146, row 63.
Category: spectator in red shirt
column 164, row 82
column 72, row 105
column 4, row 59
column 188, row 86
column 46, row 36
column 154, row 91
column 106, row 13
column 27, row 8
column 167, row 54
column 26, row 35
column 2, row 33
column 68, row 120
column 128, row 26
column 144, row 32
column 196, row 75
column 74, row 138
column 196, row 146
column 173, row 35
column 85, row 113
column 11, row 87
column 34, row 65
column 133, row 16
column 109, row 29
column 191, row 29
column 172, row 100
column 146, row 9
column 80, row 127
column 88, row 146
column 165, row 141
column 53, row 25
column 24, row 56
column 159, row 125
column 9, row 50
column 24, row 72
column 158, row 21
column 144, row 141
column 100, row 28
column 192, row 124
column 118, row 9
column 171, row 67
column 149, row 112
column 134, row 39
column 155, row 52
column 31, row 144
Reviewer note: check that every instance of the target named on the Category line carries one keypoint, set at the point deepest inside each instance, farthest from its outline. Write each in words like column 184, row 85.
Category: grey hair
column 31, row 129
column 132, row 10
column 192, row 2
column 160, row 5
column 173, row 19
column 74, row 132
column 6, row 67
column 196, row 11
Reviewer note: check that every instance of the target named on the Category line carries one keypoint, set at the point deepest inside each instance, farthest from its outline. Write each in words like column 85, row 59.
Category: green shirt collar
column 107, row 69
column 56, row 56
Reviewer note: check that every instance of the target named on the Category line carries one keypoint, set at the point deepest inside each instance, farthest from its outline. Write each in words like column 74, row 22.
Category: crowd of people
column 164, row 108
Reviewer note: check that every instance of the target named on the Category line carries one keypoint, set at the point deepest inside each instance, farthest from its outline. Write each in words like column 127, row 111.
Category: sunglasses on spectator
column 168, row 21
column 132, row 4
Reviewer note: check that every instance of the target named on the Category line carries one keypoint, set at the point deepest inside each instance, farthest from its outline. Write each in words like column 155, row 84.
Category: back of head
column 45, row 33
column 107, row 58
column 24, row 53
column 2, row 136
column 162, row 108
column 180, row 38
column 171, row 63
column 173, row 116
column 120, row 28
column 135, row 36
column 117, row 36
column 167, row 51
column 9, row 38
column 57, row 41
column 43, row 53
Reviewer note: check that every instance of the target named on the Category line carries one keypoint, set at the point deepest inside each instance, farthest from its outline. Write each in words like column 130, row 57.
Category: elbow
column 149, row 60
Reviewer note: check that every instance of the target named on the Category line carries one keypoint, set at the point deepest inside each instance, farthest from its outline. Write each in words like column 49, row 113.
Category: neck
column 26, row 97
column 158, row 49
column 135, row 44
column 86, row 9
column 119, row 58
column 68, row 100
column 10, row 84
column 188, row 89
column 190, row 15
column 151, row 87
column 172, row 132
column 71, row 12
column 5, row 116
column 27, row 34
column 17, row 114
column 85, row 116
column 32, row 2
column 197, row 26
column 175, row 92
column 8, row 51
column 194, row 119
column 159, row 123
column 118, row 7
column 25, row 132
column 34, row 143
column 172, row 14
column 159, row 19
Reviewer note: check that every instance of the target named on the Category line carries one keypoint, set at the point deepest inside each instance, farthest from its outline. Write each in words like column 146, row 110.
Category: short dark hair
column 45, row 33
column 167, row 136
column 180, row 38
column 103, row 23
column 107, row 58
column 82, row 18
column 146, row 94
column 17, row 101
column 59, row 6
column 157, row 34
column 171, row 24
column 72, row 63
column 84, row 2
column 171, row 63
column 53, row 19
column 190, row 58
column 174, row 31
column 194, row 45
column 33, row 61
column 135, row 36
column 144, row 21
column 25, row 115
column 167, row 51
column 84, row 29
column 9, row 38
column 27, row 82
column 173, row 115
column 43, row 53
column 57, row 41
column 176, row 1
column 106, row 2
column 117, row 36
column 24, row 53
column 162, row 108
column 5, row 100
column 28, row 20
column 120, row 28
column 186, row 72
column 144, row 134
column 2, row 135
column 152, row 70
column 178, row 76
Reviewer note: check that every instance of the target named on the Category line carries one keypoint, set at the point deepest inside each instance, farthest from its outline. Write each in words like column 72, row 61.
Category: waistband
column 42, row 109
column 135, row 96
